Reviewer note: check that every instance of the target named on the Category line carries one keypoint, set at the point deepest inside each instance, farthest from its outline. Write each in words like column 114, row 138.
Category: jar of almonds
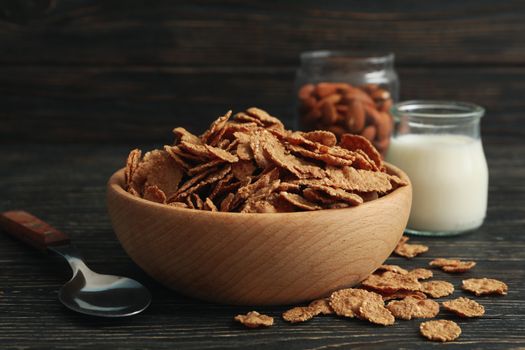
column 346, row 93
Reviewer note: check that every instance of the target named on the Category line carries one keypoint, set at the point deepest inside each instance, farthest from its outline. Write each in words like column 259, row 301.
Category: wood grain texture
column 265, row 33
column 258, row 259
column 65, row 185
column 142, row 104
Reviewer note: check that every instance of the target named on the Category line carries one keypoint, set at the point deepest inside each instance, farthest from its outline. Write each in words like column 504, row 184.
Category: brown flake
column 299, row 201
column 242, row 169
column 339, row 194
column 298, row 314
column 132, row 164
column 358, row 142
column 410, row 251
column 437, row 289
column 182, row 134
column 154, row 194
column 326, row 138
column 265, row 118
column 421, row 274
column 409, row 308
column 178, row 204
column 215, row 127
column 484, row 286
column 464, row 307
column 253, row 319
column 157, row 168
column 440, row 330
column 221, row 154
column 209, row 205
column 346, row 302
column 452, row 265
column 392, row 268
column 204, row 166
column 402, row 294
column 390, row 282
column 376, row 312
column 321, row 306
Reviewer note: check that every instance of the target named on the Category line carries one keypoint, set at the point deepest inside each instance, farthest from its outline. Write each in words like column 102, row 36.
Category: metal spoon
column 87, row 292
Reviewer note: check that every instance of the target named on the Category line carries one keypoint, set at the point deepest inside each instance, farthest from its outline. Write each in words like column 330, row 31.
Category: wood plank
column 261, row 33
column 142, row 104
column 64, row 184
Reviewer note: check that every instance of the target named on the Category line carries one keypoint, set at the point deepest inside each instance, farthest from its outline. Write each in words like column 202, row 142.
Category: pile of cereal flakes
column 409, row 295
column 251, row 164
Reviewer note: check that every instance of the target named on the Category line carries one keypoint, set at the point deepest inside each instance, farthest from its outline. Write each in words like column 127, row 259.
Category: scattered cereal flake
column 464, row 307
column 392, row 268
column 410, row 251
column 299, row 201
column 440, row 330
column 321, row 306
column 452, row 265
column 403, row 239
column 402, row 294
column 437, row 289
column 376, row 312
column 298, row 314
column 483, row 286
column 390, row 282
column 409, row 308
column 421, row 274
column 253, row 319
column 154, row 194
column 346, row 302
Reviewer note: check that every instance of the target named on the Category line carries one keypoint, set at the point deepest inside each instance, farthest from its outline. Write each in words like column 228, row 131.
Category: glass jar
column 347, row 93
column 438, row 144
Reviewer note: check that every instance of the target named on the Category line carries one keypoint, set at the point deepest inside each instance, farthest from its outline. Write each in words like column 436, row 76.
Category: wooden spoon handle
column 31, row 230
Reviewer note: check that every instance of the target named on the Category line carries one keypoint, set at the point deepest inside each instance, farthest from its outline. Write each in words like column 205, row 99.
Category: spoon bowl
column 100, row 295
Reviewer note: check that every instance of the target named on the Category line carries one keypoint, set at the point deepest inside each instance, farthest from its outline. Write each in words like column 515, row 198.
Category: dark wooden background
column 84, row 81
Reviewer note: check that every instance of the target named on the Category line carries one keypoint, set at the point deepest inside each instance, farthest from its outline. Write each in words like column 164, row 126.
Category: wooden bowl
column 258, row 259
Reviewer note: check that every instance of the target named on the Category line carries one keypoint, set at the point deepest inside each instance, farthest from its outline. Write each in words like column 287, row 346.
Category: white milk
column 450, row 180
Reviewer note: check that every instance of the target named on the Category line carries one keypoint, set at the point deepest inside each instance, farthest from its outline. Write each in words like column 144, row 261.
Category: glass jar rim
column 356, row 56
column 437, row 109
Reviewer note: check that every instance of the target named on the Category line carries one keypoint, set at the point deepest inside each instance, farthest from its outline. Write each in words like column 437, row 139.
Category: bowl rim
column 116, row 181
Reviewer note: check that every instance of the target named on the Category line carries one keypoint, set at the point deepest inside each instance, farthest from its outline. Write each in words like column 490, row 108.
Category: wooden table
column 83, row 82
column 65, row 185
